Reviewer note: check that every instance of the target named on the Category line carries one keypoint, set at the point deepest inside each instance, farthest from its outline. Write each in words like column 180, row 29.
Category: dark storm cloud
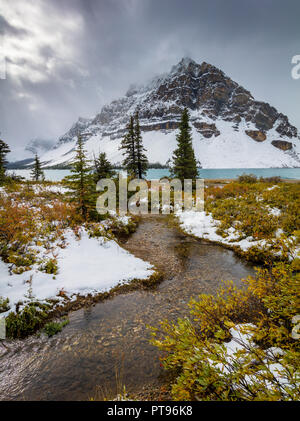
column 90, row 51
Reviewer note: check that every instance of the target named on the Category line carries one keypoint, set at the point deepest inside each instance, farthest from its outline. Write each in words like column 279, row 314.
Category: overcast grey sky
column 67, row 58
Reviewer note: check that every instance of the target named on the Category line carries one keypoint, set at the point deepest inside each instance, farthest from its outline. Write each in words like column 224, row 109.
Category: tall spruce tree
column 4, row 150
column 184, row 161
column 135, row 160
column 128, row 145
column 102, row 168
column 37, row 173
column 141, row 159
column 80, row 182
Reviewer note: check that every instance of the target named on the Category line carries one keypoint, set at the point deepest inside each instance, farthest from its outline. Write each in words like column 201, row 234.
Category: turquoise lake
column 289, row 173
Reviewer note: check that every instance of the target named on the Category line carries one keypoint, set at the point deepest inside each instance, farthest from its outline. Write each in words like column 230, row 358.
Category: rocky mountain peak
column 203, row 88
column 79, row 127
column 186, row 63
column 216, row 103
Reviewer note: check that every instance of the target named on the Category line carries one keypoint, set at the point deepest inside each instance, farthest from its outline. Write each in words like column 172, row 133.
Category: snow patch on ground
column 85, row 266
column 55, row 188
column 274, row 211
column 203, row 225
column 241, row 341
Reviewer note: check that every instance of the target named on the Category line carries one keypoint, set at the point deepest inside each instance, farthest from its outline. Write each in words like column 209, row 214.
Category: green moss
column 49, row 266
column 4, row 305
column 52, row 328
column 22, row 323
column 21, row 260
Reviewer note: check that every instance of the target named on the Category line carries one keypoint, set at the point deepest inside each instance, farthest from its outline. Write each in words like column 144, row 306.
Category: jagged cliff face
column 219, row 109
column 80, row 126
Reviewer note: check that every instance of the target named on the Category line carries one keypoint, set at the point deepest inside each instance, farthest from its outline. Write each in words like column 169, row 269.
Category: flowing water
column 112, row 336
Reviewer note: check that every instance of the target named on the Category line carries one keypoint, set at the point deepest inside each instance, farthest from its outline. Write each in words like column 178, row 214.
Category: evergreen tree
column 135, row 160
column 80, row 182
column 128, row 145
column 184, row 161
column 37, row 173
column 102, row 168
column 4, row 150
column 141, row 159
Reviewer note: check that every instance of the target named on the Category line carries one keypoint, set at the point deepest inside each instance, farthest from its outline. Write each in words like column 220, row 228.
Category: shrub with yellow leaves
column 262, row 359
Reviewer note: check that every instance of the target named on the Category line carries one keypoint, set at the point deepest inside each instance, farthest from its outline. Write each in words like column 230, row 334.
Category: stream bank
column 107, row 345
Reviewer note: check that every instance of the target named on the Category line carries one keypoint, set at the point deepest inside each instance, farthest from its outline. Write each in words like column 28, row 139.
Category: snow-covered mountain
column 230, row 128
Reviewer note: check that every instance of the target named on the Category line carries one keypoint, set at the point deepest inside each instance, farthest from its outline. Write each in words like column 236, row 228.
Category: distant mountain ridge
column 34, row 146
column 230, row 128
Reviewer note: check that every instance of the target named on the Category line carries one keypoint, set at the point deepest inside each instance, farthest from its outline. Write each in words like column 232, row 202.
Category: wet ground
column 108, row 344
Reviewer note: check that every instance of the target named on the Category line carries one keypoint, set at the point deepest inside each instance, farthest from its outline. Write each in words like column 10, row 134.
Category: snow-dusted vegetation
column 239, row 344
column 258, row 220
column 48, row 255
